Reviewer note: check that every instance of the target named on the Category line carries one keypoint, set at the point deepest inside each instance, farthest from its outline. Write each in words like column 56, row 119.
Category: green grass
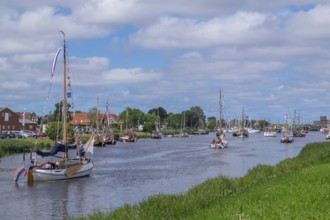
column 14, row 146
column 295, row 188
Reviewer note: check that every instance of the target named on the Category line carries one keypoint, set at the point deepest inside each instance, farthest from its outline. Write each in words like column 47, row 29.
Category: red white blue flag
column 54, row 63
column 18, row 172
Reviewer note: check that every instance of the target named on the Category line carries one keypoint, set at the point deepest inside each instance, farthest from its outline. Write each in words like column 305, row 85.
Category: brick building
column 324, row 122
column 13, row 121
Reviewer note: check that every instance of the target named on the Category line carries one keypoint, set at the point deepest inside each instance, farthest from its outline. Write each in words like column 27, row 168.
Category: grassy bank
column 14, row 146
column 296, row 188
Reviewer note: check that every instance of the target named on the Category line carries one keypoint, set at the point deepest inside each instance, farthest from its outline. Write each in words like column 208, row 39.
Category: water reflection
column 129, row 173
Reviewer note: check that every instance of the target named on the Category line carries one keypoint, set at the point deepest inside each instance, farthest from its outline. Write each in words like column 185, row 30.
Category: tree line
column 189, row 120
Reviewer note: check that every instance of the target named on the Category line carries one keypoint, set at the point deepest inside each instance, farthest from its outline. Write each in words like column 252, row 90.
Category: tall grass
column 295, row 188
column 14, row 146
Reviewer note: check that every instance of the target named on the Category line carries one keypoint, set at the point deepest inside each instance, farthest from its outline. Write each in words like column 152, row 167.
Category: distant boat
column 219, row 141
column 252, row 130
column 129, row 135
column 298, row 133
column 108, row 137
column 287, row 134
column 201, row 132
column 64, row 168
column 156, row 134
column 270, row 132
column 183, row 133
column 241, row 132
column 99, row 136
column 327, row 137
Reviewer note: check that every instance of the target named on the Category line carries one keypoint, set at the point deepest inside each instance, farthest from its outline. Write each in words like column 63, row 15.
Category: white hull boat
column 270, row 134
column 65, row 171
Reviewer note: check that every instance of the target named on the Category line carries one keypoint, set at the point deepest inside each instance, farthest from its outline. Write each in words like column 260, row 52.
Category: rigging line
column 59, row 117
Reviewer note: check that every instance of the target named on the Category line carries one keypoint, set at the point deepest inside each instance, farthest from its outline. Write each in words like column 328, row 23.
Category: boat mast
column 220, row 112
column 243, row 122
column 64, row 95
column 97, row 115
column 286, row 126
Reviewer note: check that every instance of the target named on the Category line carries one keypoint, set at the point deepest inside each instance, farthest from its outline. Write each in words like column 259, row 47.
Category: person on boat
column 47, row 166
column 81, row 152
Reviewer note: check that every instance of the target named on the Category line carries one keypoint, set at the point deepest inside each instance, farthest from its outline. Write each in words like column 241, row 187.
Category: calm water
column 129, row 173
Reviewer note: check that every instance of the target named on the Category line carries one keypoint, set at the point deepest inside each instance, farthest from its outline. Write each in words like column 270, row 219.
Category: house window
column 6, row 116
column 3, row 127
column 13, row 127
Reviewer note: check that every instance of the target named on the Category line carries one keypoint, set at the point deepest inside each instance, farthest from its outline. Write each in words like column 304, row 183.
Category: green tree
column 211, row 123
column 132, row 117
column 174, row 121
column 55, row 131
column 159, row 111
column 56, row 115
column 194, row 116
column 149, row 124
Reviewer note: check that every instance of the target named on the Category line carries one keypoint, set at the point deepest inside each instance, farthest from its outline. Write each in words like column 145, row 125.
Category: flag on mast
column 23, row 119
column 54, row 63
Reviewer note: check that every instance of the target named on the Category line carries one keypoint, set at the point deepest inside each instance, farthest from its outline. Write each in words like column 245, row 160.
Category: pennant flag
column 54, row 63
column 18, row 172
column 23, row 119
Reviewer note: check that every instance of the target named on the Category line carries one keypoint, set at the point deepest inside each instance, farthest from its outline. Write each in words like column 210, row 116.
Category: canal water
column 127, row 173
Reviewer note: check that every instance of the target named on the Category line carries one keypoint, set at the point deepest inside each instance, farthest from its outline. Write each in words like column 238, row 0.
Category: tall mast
column 97, row 115
column 220, row 112
column 64, row 92
column 243, row 122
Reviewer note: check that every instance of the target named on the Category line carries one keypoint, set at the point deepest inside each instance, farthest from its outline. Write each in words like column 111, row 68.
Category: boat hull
column 222, row 145
column 42, row 174
column 286, row 140
column 127, row 139
column 270, row 134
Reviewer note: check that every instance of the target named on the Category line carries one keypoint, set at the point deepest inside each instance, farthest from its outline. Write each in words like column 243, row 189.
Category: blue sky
column 266, row 58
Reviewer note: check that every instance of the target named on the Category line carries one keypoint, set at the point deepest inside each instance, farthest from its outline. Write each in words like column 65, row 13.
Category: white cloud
column 15, row 85
column 313, row 24
column 172, row 54
column 131, row 76
column 172, row 32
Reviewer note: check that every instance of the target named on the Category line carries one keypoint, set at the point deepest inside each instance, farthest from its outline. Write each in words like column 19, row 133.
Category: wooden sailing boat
column 287, row 134
column 183, row 127
column 219, row 142
column 107, row 130
column 65, row 168
column 98, row 137
column 129, row 134
column 242, row 132
column 156, row 134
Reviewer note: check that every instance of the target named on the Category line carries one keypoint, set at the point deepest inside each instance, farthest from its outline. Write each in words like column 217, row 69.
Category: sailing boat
column 242, row 132
column 252, row 130
column 65, row 168
column 157, row 134
column 183, row 127
column 219, row 142
column 99, row 137
column 129, row 135
column 287, row 134
column 109, row 137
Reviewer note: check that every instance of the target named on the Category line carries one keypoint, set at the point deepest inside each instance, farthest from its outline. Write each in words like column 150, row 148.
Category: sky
column 267, row 58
